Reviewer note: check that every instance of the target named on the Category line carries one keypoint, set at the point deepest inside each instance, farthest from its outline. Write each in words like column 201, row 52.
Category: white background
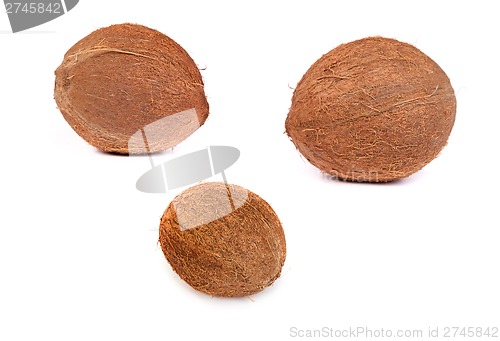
column 79, row 258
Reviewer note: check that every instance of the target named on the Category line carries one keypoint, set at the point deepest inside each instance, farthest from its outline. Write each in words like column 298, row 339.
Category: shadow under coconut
column 143, row 155
column 188, row 290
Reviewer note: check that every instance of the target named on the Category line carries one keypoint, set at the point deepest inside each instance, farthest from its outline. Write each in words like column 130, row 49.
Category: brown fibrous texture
column 374, row 110
column 223, row 240
column 119, row 79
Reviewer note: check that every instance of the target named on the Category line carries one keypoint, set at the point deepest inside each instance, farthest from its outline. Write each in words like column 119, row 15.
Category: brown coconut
column 130, row 79
column 223, row 240
column 375, row 109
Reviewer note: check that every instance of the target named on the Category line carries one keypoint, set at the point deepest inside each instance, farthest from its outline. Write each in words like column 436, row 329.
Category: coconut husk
column 223, row 240
column 122, row 78
column 374, row 109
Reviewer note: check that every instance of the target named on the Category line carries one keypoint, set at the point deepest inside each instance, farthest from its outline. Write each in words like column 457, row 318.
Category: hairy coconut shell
column 223, row 240
column 120, row 79
column 375, row 109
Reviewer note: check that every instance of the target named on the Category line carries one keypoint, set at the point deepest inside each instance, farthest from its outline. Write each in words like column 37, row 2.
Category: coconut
column 374, row 109
column 223, row 240
column 125, row 79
